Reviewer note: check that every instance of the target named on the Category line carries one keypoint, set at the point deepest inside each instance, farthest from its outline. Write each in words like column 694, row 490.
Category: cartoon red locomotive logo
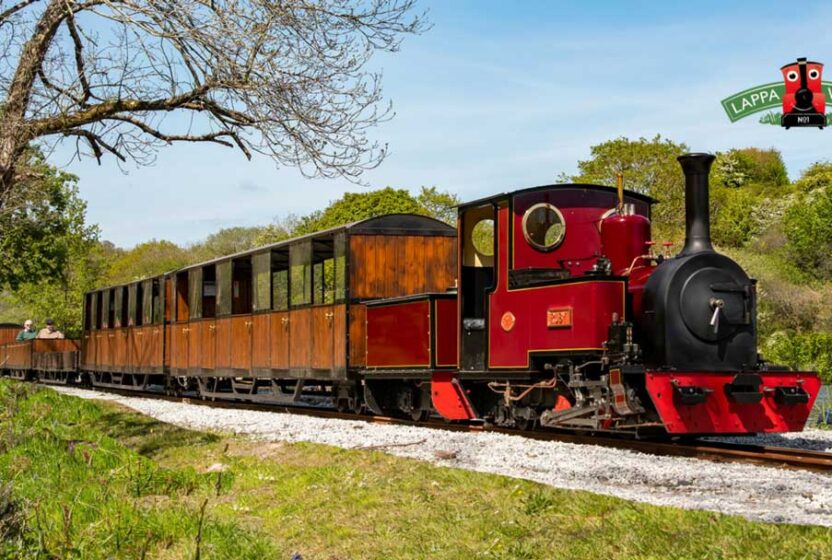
column 804, row 103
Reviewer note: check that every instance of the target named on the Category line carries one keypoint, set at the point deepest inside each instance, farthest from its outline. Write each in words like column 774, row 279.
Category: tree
column 809, row 231
column 226, row 241
column 440, row 205
column 45, row 228
column 353, row 207
column 816, row 176
column 147, row 259
column 649, row 167
column 122, row 77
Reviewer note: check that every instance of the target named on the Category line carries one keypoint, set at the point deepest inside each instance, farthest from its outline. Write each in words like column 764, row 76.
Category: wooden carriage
column 294, row 310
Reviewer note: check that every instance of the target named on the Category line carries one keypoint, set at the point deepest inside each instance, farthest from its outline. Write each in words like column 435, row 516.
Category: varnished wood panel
column 279, row 340
column 322, row 323
column 9, row 334
column 168, row 337
column 339, row 337
column 358, row 335
column 223, row 335
column 135, row 337
column 121, row 352
column 195, row 344
column 208, row 344
column 300, row 328
column 260, row 343
column 156, row 353
column 391, row 266
column 87, row 350
column 179, row 350
column 241, row 327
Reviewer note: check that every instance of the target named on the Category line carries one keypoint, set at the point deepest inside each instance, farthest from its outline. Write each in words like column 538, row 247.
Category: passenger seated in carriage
column 28, row 332
column 50, row 331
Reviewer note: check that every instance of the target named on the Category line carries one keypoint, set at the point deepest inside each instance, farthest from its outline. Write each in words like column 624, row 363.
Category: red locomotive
column 804, row 103
column 546, row 306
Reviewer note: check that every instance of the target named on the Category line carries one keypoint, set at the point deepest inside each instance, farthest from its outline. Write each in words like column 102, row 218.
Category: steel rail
column 771, row 456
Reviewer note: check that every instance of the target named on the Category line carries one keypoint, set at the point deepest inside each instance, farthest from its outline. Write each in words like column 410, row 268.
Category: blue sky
column 497, row 96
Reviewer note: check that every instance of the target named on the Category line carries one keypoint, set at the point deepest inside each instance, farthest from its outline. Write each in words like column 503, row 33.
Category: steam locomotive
column 548, row 306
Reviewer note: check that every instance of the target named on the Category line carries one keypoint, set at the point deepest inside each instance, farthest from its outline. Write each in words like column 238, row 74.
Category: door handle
column 249, row 324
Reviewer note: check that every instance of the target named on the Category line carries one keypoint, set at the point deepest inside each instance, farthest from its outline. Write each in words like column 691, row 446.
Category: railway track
column 771, row 456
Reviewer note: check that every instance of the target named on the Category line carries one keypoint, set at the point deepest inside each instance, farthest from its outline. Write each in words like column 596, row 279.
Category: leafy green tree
column 808, row 230
column 649, row 167
column 761, row 166
column 816, row 176
column 732, row 220
column 147, row 259
column 279, row 230
column 49, row 254
column 353, row 207
column 42, row 229
column 440, row 205
column 226, row 241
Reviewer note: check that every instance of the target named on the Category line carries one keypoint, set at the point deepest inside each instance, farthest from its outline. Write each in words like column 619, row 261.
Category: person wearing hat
column 28, row 332
column 49, row 331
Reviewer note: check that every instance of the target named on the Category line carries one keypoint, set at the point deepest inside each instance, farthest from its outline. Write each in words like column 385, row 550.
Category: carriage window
column 262, row 264
column 182, row 303
column 241, row 279
column 340, row 267
column 109, row 313
column 195, row 292
column 147, row 302
column 91, row 303
column 87, row 311
column 544, row 227
column 138, row 304
column 280, row 280
column 131, row 304
column 209, row 291
column 157, row 302
column 96, row 310
column 224, row 288
column 300, row 284
column 121, row 307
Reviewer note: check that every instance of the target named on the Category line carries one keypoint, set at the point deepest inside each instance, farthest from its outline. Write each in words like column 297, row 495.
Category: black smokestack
column 697, row 212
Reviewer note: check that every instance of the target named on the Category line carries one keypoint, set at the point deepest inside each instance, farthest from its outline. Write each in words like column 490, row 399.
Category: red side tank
column 624, row 237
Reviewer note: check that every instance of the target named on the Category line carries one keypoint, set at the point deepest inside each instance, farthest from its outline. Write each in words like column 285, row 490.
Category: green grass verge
column 81, row 479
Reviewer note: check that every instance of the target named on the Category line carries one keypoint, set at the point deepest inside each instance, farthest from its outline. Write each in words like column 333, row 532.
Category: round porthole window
column 482, row 237
column 544, row 227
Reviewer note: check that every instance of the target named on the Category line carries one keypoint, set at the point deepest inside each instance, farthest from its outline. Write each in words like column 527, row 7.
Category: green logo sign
column 762, row 98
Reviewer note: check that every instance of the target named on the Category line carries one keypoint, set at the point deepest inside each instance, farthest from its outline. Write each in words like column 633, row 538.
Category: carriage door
column 476, row 278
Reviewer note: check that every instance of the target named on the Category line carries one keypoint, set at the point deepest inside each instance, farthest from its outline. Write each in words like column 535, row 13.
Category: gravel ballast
column 754, row 492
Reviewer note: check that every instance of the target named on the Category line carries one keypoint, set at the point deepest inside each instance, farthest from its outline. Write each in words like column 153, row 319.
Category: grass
column 81, row 479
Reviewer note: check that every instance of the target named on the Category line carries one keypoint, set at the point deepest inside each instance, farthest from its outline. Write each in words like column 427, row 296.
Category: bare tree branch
column 287, row 79
column 79, row 58
column 6, row 14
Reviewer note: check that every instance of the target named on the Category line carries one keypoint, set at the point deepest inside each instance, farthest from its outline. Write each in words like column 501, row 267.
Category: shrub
column 809, row 231
column 803, row 351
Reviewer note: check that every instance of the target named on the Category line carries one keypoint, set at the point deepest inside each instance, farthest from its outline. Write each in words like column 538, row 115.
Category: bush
column 801, row 351
column 808, row 230
column 733, row 222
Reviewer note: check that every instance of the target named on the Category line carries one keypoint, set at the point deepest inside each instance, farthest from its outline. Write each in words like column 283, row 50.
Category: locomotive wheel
column 419, row 414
